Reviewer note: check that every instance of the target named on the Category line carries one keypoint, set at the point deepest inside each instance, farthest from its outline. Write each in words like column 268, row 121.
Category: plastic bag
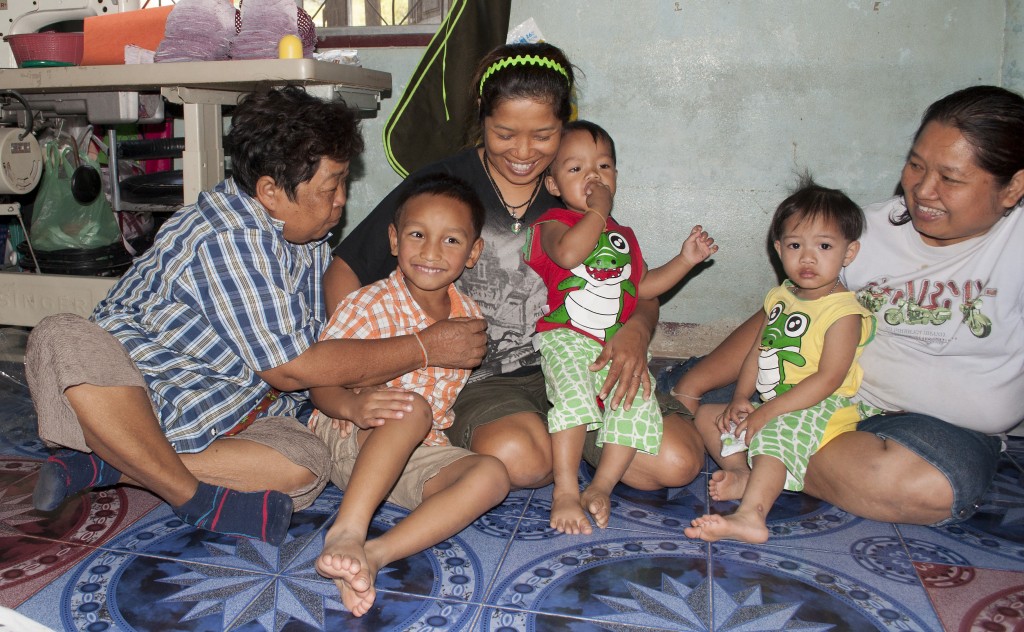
column 59, row 221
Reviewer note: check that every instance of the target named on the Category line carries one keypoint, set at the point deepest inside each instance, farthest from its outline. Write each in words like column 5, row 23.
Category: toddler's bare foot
column 696, row 526
column 728, row 484
column 738, row 526
column 344, row 560
column 567, row 515
column 599, row 503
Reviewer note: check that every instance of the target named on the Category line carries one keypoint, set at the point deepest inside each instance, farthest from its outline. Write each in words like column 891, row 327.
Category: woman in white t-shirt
column 942, row 268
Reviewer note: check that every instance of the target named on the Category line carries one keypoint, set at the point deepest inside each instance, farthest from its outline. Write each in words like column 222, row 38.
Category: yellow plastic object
column 289, row 47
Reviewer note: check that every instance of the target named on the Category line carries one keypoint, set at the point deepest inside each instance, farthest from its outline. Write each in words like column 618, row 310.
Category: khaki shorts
column 496, row 397
column 66, row 350
column 423, row 465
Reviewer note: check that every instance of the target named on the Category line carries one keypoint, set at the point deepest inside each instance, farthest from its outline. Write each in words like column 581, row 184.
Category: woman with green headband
column 523, row 94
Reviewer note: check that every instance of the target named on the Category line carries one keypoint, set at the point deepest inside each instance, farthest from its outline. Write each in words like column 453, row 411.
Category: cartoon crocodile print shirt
column 596, row 297
column 792, row 340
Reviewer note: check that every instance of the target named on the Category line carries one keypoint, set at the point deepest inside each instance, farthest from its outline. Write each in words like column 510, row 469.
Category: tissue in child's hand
column 732, row 444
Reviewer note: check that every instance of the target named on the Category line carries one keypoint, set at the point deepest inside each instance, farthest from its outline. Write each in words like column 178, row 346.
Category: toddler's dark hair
column 596, row 131
column 812, row 201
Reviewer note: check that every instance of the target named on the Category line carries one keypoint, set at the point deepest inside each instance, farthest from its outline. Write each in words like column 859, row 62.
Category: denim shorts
column 968, row 459
column 667, row 378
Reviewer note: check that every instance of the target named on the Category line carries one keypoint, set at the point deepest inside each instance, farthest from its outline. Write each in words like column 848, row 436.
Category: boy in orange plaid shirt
column 398, row 450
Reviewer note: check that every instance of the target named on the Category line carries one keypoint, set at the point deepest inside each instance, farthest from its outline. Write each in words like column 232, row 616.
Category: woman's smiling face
column 521, row 138
column 950, row 198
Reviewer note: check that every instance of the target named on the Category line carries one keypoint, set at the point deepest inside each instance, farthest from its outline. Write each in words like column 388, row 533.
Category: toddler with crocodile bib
column 803, row 366
column 595, row 275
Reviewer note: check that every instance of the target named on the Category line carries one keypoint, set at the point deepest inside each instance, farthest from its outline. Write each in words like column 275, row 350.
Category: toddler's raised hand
column 699, row 245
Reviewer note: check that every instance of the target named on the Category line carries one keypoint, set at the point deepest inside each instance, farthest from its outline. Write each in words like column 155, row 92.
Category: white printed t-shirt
column 950, row 338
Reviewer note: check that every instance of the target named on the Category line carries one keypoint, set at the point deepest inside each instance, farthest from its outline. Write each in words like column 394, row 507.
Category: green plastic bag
column 59, row 221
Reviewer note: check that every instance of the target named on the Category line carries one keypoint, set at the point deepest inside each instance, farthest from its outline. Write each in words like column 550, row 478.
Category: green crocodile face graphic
column 780, row 343
column 608, row 260
column 784, row 330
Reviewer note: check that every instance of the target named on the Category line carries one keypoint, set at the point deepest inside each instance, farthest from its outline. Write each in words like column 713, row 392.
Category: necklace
column 800, row 290
column 517, row 221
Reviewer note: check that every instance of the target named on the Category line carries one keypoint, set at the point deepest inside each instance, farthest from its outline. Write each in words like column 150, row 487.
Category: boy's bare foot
column 598, row 503
column 344, row 560
column 567, row 515
column 738, row 526
column 728, row 484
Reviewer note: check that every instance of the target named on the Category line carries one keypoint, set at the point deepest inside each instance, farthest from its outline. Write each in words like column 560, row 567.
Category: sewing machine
column 136, row 93
column 19, row 153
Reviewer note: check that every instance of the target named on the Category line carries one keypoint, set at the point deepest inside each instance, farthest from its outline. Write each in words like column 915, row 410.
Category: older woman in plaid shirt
column 190, row 376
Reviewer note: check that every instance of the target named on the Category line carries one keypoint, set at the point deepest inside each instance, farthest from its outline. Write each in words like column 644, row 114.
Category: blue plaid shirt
column 220, row 296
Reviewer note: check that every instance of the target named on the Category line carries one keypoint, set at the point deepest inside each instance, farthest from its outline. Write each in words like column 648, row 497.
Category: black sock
column 263, row 515
column 64, row 475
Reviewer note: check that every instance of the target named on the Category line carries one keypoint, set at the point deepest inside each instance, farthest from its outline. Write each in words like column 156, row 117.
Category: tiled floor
column 117, row 559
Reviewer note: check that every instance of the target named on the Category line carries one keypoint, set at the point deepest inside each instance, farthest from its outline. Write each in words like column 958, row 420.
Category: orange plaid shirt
column 385, row 309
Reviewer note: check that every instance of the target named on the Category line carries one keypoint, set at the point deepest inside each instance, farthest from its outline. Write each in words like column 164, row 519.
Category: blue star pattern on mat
column 166, row 570
column 270, row 586
column 664, row 584
column 678, row 607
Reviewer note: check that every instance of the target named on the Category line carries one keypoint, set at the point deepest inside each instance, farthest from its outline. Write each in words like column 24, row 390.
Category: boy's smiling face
column 434, row 242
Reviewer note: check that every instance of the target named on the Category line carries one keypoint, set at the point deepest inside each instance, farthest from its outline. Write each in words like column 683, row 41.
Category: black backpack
column 431, row 119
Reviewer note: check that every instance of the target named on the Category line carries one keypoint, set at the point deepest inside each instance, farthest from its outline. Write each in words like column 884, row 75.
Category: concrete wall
column 1013, row 49
column 717, row 105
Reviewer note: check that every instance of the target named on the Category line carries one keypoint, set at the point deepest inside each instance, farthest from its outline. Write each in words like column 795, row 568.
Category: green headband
column 533, row 60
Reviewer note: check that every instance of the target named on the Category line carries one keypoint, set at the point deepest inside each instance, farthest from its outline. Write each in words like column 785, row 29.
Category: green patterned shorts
column 572, row 389
column 792, row 438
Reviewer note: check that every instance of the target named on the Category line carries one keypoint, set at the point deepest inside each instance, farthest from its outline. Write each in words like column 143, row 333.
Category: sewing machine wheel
column 22, row 161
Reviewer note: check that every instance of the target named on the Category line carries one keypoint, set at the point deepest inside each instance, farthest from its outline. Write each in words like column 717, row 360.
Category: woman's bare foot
column 567, row 515
column 344, row 560
column 738, row 526
column 728, row 484
column 598, row 503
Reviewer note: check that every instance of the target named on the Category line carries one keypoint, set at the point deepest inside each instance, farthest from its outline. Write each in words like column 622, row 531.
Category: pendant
column 517, row 226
